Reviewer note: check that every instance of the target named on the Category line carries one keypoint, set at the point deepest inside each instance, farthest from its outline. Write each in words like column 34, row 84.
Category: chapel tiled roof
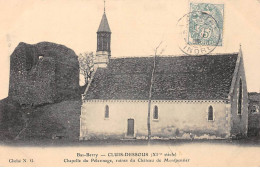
column 104, row 26
column 205, row 77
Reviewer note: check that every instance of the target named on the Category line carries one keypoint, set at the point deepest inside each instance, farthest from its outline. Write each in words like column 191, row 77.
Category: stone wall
column 11, row 121
column 177, row 119
column 43, row 73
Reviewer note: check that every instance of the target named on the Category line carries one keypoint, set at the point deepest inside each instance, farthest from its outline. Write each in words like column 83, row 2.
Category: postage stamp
column 200, row 31
column 203, row 29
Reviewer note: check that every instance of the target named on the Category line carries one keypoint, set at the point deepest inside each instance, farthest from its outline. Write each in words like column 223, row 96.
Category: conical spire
column 104, row 26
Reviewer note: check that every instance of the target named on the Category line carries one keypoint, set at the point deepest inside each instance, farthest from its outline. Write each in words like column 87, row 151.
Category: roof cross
column 104, row 6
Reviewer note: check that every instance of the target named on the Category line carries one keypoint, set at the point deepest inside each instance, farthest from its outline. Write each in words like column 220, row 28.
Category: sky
column 137, row 26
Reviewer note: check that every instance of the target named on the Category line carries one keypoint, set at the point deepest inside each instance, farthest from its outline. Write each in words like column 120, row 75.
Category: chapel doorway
column 130, row 127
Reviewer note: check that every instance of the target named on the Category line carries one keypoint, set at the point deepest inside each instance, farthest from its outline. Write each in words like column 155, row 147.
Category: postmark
column 199, row 32
column 202, row 29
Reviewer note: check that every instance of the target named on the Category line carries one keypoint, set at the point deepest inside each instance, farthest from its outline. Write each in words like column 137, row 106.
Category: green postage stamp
column 206, row 24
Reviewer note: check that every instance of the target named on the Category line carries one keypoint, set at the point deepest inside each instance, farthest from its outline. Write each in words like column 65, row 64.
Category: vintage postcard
column 127, row 83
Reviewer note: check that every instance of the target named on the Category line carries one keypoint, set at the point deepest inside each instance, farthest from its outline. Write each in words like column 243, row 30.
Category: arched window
column 239, row 104
column 106, row 111
column 210, row 113
column 155, row 112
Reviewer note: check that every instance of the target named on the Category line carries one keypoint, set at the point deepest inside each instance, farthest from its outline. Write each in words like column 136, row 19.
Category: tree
column 151, row 88
column 86, row 65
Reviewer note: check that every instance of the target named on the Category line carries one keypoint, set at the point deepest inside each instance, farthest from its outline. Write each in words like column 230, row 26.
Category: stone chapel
column 201, row 97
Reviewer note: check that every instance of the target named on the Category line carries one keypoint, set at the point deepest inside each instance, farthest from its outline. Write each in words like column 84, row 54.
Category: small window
column 155, row 113
column 106, row 112
column 255, row 109
column 210, row 113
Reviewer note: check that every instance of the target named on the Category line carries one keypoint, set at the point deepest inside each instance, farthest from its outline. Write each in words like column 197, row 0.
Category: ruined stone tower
column 43, row 73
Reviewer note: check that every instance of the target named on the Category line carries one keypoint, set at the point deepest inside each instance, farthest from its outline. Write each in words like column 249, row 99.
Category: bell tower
column 103, row 42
